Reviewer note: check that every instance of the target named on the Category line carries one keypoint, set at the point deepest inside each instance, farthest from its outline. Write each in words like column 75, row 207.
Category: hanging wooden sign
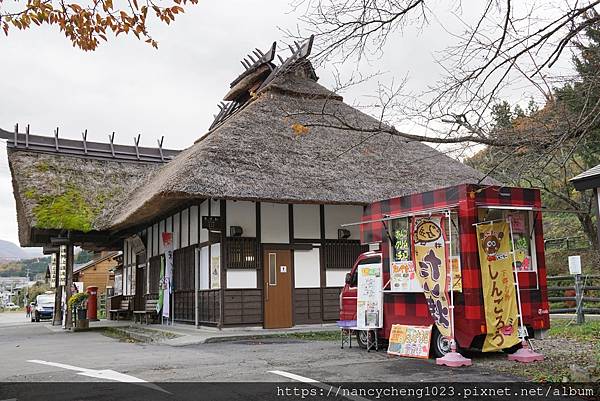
column 212, row 223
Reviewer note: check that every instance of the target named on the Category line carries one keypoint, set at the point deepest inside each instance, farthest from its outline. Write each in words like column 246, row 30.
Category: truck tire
column 440, row 345
column 361, row 338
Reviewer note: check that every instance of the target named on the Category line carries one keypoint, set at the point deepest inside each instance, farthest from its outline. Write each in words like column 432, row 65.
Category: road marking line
column 293, row 376
column 106, row 374
column 316, row 383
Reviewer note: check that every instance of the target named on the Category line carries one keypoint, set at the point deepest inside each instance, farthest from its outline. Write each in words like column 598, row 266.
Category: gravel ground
column 565, row 360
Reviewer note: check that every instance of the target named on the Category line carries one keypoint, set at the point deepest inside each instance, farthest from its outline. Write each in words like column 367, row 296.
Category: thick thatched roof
column 58, row 192
column 256, row 154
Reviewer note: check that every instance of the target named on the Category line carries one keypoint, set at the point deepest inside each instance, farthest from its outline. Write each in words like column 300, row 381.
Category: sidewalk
column 190, row 335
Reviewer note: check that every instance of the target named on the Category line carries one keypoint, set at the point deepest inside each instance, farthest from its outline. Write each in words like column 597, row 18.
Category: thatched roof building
column 276, row 141
column 257, row 155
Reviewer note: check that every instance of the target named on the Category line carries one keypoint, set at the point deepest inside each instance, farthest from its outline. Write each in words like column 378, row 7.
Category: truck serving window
column 523, row 234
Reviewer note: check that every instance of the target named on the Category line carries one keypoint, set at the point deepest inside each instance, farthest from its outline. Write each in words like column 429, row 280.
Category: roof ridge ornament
column 84, row 148
column 255, row 66
column 302, row 51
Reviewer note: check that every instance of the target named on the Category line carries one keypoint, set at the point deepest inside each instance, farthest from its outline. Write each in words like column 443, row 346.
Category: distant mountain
column 13, row 252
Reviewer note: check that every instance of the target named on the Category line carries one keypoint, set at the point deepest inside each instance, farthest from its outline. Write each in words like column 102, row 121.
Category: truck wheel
column 361, row 338
column 440, row 345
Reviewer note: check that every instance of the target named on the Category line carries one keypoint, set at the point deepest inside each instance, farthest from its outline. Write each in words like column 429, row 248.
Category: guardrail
column 568, row 243
column 578, row 285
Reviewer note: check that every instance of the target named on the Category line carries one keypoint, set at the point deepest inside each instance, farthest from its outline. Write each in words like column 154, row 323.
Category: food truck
column 469, row 229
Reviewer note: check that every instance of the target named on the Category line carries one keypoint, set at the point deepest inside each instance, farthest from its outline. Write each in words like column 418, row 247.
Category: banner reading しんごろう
column 431, row 265
column 499, row 293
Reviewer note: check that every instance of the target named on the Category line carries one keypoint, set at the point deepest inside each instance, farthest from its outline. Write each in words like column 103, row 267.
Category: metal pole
column 522, row 329
column 451, row 270
column 579, row 299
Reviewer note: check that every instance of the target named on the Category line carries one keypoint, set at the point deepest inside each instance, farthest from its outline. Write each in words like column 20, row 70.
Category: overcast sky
column 130, row 88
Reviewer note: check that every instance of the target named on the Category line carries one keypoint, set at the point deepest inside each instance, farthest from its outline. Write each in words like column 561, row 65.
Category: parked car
column 43, row 307
column 11, row 306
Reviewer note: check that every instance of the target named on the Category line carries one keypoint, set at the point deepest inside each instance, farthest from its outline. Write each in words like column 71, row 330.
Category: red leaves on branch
column 85, row 24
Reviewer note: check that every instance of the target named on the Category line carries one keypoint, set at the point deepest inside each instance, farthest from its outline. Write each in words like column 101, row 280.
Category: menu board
column 403, row 277
column 369, row 313
column 410, row 341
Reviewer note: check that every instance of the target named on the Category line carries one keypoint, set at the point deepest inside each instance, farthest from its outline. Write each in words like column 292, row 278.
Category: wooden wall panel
column 307, row 306
column 243, row 306
column 209, row 303
column 331, row 303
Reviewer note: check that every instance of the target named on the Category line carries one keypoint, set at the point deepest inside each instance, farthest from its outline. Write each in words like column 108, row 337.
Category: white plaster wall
column 126, row 253
column 215, row 207
column 335, row 277
column 148, row 243
column 162, row 228
column 336, row 215
column 307, row 268
column 307, row 223
column 185, row 226
column 194, row 225
column 125, row 280
column 203, row 212
column 155, row 240
column 204, row 272
column 274, row 223
column 243, row 214
column 176, row 239
column 238, row 278
column 169, row 224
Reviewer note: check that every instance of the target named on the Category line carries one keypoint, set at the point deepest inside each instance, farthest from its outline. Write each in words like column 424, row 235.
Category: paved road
column 38, row 352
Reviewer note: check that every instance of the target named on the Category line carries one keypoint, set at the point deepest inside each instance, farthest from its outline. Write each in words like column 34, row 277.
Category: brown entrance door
column 277, row 288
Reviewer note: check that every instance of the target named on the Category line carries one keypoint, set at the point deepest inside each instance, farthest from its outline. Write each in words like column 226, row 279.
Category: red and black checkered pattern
column 411, row 308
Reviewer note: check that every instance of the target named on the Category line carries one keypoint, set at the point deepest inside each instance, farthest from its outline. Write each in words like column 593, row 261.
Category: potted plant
column 78, row 304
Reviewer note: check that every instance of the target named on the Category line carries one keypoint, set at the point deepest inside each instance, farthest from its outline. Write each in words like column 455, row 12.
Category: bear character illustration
column 491, row 242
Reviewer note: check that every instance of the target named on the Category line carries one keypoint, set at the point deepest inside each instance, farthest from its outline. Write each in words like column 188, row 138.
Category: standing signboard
column 411, row 341
column 369, row 314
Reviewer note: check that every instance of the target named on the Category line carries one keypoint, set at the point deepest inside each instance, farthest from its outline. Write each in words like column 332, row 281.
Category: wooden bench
column 123, row 308
column 148, row 312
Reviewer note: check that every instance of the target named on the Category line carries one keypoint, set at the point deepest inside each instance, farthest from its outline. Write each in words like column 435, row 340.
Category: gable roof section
column 57, row 192
column 256, row 155
column 587, row 180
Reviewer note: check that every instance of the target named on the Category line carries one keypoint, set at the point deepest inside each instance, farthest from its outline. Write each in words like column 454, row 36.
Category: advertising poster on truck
column 369, row 306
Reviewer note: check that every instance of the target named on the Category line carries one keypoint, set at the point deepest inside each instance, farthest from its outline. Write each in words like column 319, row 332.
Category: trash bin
column 92, row 303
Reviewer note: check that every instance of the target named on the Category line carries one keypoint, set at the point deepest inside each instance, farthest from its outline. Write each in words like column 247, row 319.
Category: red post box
column 92, row 303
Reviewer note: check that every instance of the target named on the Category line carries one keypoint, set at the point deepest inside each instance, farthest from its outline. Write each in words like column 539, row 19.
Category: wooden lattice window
column 241, row 253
